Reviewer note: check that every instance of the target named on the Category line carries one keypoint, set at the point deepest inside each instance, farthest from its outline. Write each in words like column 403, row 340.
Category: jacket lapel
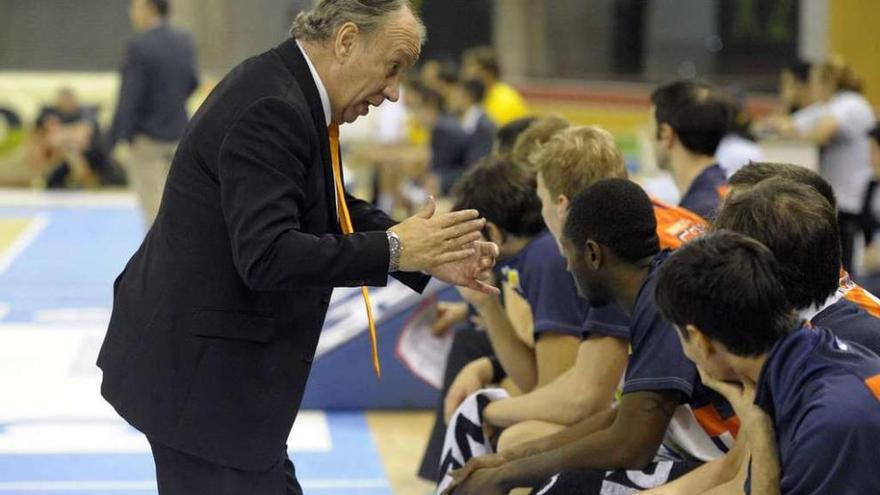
column 296, row 63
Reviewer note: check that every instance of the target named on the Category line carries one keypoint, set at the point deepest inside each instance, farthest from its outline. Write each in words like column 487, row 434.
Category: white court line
column 67, row 199
column 141, row 485
column 37, row 225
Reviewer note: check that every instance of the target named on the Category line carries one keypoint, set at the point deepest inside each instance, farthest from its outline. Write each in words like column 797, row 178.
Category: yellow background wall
column 853, row 33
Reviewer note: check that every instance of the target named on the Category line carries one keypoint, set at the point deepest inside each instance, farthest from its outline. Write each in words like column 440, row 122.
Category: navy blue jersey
column 704, row 426
column 850, row 322
column 823, row 395
column 538, row 273
column 706, row 192
column 609, row 320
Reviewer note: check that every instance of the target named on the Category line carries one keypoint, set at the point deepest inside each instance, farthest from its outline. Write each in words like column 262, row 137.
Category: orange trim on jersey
column 711, row 421
column 857, row 295
column 873, row 384
column 676, row 225
column 733, row 425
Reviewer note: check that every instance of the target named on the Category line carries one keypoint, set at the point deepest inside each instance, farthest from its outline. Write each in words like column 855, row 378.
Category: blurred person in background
column 839, row 125
column 506, row 135
column 690, row 119
column 870, row 276
column 503, row 103
column 448, row 143
column 794, row 87
column 738, row 147
column 158, row 74
column 465, row 101
column 66, row 147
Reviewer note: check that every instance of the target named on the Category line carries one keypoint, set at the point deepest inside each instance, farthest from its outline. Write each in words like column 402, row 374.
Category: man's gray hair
column 320, row 23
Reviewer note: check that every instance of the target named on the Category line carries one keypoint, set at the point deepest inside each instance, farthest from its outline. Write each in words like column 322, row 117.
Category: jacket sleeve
column 263, row 163
column 132, row 90
column 366, row 217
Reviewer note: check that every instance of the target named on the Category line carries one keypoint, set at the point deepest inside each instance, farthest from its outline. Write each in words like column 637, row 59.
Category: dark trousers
column 469, row 344
column 850, row 226
column 178, row 473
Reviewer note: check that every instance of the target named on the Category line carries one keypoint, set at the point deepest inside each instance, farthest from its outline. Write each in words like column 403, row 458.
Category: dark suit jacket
column 217, row 315
column 158, row 75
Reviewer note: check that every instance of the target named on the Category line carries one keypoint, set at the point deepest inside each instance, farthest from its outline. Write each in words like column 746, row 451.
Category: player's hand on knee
column 474, row 376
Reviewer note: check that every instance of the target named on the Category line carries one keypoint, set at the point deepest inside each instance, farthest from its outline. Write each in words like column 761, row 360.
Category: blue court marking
column 353, row 457
column 70, row 264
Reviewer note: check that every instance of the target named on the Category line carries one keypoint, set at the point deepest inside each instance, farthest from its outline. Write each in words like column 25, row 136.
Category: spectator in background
column 66, row 149
column 794, row 87
column 506, row 136
column 440, row 75
column 158, row 76
column 503, row 103
column 465, row 101
column 690, row 121
column 448, row 142
column 871, row 262
column 738, row 147
column 839, row 125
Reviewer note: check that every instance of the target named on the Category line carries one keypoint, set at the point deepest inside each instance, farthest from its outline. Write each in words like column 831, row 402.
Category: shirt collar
column 471, row 119
column 810, row 312
column 322, row 91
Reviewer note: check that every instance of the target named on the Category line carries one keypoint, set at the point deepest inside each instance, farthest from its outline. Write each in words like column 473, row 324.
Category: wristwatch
column 394, row 249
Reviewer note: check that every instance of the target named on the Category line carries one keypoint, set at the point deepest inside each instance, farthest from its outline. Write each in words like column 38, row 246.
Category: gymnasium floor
column 58, row 257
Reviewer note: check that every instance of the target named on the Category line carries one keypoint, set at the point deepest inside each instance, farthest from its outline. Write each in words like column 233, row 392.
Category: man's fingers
column 488, row 249
column 455, row 217
column 428, row 209
column 487, row 262
column 465, row 240
column 452, row 256
column 464, row 228
column 483, row 287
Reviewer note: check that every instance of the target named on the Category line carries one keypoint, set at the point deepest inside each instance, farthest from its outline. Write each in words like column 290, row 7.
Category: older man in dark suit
column 158, row 76
column 216, row 317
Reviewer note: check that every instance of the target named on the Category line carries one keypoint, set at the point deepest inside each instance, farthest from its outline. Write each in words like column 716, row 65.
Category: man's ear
column 666, row 135
column 701, row 342
column 346, row 40
column 562, row 205
column 593, row 255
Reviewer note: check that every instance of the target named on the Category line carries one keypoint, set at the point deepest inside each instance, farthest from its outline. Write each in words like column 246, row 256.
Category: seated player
column 532, row 267
column 611, row 245
column 571, row 160
column 754, row 173
column 800, row 391
column 691, row 119
column 800, row 228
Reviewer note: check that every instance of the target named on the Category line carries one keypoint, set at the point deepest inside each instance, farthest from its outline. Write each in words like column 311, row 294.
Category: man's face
column 374, row 70
column 661, row 153
column 586, row 279
column 67, row 102
column 550, row 210
column 141, row 14
column 706, row 355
